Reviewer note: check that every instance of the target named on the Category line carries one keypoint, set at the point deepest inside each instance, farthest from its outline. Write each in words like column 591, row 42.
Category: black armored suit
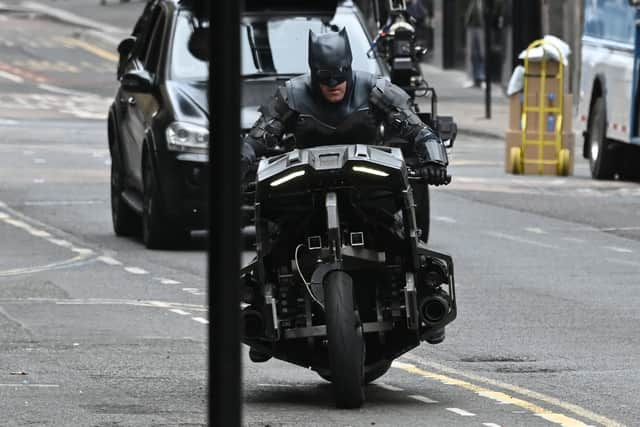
column 299, row 108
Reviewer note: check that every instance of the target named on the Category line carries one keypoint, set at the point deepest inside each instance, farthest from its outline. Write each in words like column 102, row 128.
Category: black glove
column 435, row 174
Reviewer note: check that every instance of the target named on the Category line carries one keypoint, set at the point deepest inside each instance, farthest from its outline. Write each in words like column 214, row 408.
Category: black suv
column 158, row 129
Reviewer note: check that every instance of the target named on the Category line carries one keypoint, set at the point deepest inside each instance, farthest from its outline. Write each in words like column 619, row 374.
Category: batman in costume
column 334, row 104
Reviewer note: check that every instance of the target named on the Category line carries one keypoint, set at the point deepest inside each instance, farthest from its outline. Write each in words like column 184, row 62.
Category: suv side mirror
column 139, row 81
column 126, row 46
column 124, row 51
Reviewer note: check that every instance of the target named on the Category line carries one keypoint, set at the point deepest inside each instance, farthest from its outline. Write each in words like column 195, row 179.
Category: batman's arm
column 274, row 121
column 394, row 105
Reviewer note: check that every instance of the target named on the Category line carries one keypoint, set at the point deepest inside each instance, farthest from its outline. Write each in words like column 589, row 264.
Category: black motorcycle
column 341, row 283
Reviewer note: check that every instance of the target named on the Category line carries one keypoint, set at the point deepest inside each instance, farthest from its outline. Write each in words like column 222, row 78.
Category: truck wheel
column 124, row 219
column 601, row 158
column 345, row 341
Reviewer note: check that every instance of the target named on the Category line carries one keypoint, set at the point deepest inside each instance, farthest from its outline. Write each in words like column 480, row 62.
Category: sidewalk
column 467, row 105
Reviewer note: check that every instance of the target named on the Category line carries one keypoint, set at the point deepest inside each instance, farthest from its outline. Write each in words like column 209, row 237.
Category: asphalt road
column 96, row 330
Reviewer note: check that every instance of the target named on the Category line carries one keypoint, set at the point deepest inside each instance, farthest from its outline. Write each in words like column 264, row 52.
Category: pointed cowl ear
column 347, row 46
column 312, row 40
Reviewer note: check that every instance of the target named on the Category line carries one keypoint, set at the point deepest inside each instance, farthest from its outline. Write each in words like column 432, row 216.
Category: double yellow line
column 81, row 44
column 554, row 417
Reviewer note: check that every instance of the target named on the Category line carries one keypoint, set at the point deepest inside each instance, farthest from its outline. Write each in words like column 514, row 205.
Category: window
column 183, row 64
column 612, row 20
column 287, row 39
column 154, row 51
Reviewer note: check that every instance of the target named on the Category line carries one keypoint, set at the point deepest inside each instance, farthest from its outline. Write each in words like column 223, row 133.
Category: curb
column 479, row 134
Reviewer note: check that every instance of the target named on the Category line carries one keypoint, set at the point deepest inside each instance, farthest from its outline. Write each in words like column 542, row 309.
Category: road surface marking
column 180, row 312
column 38, row 181
column 201, row 320
column 61, row 202
column 60, row 242
column 445, row 219
column 491, row 425
column 518, row 239
column 102, row 53
column 422, row 399
column 535, row 230
column 503, row 397
column 3, row 216
column 72, row 262
column 135, row 270
column 30, row 385
column 39, row 233
column 63, row 91
column 108, row 260
column 193, row 291
column 574, row 239
column 389, row 387
column 461, row 412
column 11, row 77
column 166, row 281
column 623, row 262
column 39, row 161
column 82, row 250
column 619, row 250
column 104, row 301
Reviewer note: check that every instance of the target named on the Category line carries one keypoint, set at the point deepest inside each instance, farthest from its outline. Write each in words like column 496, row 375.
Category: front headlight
column 187, row 137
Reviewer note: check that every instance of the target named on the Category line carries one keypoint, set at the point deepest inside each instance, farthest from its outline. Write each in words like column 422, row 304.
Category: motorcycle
column 341, row 282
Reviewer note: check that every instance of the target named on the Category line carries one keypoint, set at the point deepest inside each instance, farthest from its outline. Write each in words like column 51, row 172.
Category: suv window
column 154, row 48
column 145, row 31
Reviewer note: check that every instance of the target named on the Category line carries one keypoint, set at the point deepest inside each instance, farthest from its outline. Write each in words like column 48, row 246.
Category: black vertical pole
column 488, row 66
column 225, row 374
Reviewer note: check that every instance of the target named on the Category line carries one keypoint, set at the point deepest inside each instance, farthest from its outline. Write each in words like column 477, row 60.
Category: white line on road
column 180, row 312
column 623, row 262
column 109, row 261
column 60, row 202
column 201, row 320
column 3, row 216
column 573, row 239
column 39, row 161
column 166, row 281
column 31, row 385
column 422, row 399
column 39, row 233
column 389, row 387
column 12, row 77
column 56, row 89
column 461, row 412
column 619, row 250
column 38, row 181
column 518, row 239
column 61, row 242
column 135, row 270
column 491, row 425
column 445, row 219
column 82, row 251
column 535, row 230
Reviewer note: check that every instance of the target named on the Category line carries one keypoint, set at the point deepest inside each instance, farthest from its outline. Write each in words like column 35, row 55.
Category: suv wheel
column 157, row 231
column 124, row 219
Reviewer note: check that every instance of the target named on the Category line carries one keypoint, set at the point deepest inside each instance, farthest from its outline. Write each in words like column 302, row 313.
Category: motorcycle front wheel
column 345, row 341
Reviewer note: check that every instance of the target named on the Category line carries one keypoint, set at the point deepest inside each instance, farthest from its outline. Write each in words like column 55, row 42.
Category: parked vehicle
column 608, row 109
column 158, row 130
column 341, row 282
